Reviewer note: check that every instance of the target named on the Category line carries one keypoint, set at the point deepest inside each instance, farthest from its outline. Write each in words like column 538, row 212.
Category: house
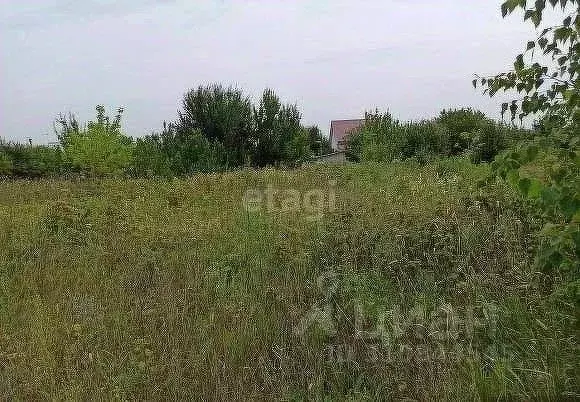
column 340, row 130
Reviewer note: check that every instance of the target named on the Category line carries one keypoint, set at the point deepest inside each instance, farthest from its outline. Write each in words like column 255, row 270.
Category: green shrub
column 423, row 140
column 277, row 135
column 384, row 139
column 486, row 141
column 99, row 153
column 190, row 152
column 298, row 148
column 319, row 143
column 148, row 158
column 5, row 164
column 31, row 161
column 100, row 149
column 379, row 139
column 456, row 132
column 238, row 133
column 458, row 122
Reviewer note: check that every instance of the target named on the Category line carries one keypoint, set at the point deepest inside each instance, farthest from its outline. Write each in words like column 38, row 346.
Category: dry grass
column 152, row 289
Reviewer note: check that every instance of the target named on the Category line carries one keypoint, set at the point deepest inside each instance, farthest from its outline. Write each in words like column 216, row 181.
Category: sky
column 334, row 58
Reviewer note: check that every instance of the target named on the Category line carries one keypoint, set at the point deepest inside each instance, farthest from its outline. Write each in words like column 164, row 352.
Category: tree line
column 459, row 132
column 217, row 128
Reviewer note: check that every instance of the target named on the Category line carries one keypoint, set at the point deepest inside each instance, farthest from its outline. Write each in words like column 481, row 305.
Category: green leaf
column 562, row 33
column 569, row 206
column 510, row 5
column 549, row 195
column 504, row 108
column 519, row 63
column 537, row 19
column 543, row 42
column 528, row 14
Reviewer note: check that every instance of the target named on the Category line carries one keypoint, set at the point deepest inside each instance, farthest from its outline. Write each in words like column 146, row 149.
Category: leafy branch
column 553, row 92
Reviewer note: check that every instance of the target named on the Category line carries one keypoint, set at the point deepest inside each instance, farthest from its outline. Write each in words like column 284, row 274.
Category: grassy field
column 360, row 282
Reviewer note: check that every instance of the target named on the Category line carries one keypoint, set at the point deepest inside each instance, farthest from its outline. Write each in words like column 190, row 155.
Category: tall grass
column 166, row 289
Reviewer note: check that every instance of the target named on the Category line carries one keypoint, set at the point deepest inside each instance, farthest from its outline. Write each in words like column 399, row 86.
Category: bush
column 218, row 128
column 486, row 141
column 423, row 140
column 100, row 149
column 384, row 139
column 298, row 148
column 378, row 139
column 457, row 122
column 190, row 152
column 454, row 133
column 319, row 144
column 148, row 158
column 278, row 136
column 99, row 154
column 237, row 133
column 30, row 161
column 5, row 164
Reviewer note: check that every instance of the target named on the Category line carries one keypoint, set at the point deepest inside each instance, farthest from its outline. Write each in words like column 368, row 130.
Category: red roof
column 340, row 129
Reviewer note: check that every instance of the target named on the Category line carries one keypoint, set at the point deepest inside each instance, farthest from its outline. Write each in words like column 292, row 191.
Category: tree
column 65, row 126
column 192, row 152
column 267, row 136
column 552, row 91
column 221, row 115
column 294, row 141
column 298, row 148
column 319, row 143
column 278, row 135
column 149, row 158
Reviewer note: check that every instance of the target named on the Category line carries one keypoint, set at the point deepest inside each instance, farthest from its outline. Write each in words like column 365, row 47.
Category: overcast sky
column 334, row 58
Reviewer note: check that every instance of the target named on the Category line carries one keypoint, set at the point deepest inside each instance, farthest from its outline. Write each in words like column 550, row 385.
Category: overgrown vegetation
column 217, row 129
column 463, row 132
column 553, row 91
column 446, row 266
column 154, row 289
column 100, row 149
column 30, row 161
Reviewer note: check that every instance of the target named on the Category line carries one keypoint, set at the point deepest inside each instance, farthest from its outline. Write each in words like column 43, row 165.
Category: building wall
column 337, row 157
column 340, row 130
